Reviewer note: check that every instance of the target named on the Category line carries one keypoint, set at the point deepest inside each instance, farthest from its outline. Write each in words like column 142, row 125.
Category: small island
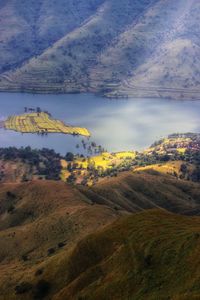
column 40, row 122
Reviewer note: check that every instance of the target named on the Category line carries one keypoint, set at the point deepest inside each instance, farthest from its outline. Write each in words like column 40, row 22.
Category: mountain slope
column 141, row 190
column 30, row 27
column 172, row 68
column 39, row 220
column 42, row 221
column 38, row 215
column 130, row 48
column 68, row 59
column 150, row 255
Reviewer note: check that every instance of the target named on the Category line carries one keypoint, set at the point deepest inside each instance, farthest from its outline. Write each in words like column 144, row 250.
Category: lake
column 121, row 124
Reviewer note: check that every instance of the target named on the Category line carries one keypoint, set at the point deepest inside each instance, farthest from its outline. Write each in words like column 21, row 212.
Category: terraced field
column 140, row 48
column 41, row 123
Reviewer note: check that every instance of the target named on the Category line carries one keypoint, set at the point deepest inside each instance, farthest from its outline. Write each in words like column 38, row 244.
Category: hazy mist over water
column 117, row 125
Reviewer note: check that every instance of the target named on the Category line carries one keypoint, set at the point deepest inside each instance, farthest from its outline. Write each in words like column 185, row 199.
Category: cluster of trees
column 40, row 290
column 190, row 156
column 91, row 148
column 185, row 173
column 93, row 173
column 44, row 163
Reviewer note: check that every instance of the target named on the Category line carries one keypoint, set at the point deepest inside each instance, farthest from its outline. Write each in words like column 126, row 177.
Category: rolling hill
column 143, row 190
column 147, row 48
column 46, row 252
column 39, row 220
column 41, row 214
column 150, row 255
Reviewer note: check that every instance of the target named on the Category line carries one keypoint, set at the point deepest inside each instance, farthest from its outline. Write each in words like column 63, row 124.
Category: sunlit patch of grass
column 181, row 150
column 41, row 123
column 165, row 168
column 64, row 175
column 63, row 163
column 125, row 154
column 104, row 160
column 169, row 168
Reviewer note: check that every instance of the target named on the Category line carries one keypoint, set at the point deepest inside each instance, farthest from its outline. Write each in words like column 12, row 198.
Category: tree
column 69, row 156
column 71, row 179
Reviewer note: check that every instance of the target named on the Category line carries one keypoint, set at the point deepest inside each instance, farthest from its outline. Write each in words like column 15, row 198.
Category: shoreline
column 157, row 93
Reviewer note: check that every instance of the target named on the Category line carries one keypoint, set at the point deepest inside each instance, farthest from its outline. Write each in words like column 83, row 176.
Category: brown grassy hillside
column 38, row 215
column 41, row 222
column 143, row 190
column 150, row 255
column 13, row 171
column 39, row 219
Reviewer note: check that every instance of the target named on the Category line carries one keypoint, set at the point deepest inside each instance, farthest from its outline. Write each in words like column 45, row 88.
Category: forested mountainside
column 117, row 48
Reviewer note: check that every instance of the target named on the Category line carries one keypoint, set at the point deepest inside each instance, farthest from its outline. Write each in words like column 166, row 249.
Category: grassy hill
column 145, row 190
column 39, row 220
column 40, row 214
column 150, row 255
column 130, row 48
column 45, row 251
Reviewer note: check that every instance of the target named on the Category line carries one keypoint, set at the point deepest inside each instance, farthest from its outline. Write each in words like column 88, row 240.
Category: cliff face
column 130, row 48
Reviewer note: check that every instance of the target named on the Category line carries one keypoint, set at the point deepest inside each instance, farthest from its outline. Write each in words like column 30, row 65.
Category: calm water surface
column 115, row 124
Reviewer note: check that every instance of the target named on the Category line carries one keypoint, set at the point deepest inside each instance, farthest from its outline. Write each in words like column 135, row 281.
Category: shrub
column 41, row 289
column 11, row 195
column 51, row 251
column 61, row 245
column 23, row 288
column 24, row 257
column 11, row 209
column 148, row 260
column 39, row 272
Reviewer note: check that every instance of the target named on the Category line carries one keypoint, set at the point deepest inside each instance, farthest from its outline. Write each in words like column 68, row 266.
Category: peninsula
column 41, row 123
